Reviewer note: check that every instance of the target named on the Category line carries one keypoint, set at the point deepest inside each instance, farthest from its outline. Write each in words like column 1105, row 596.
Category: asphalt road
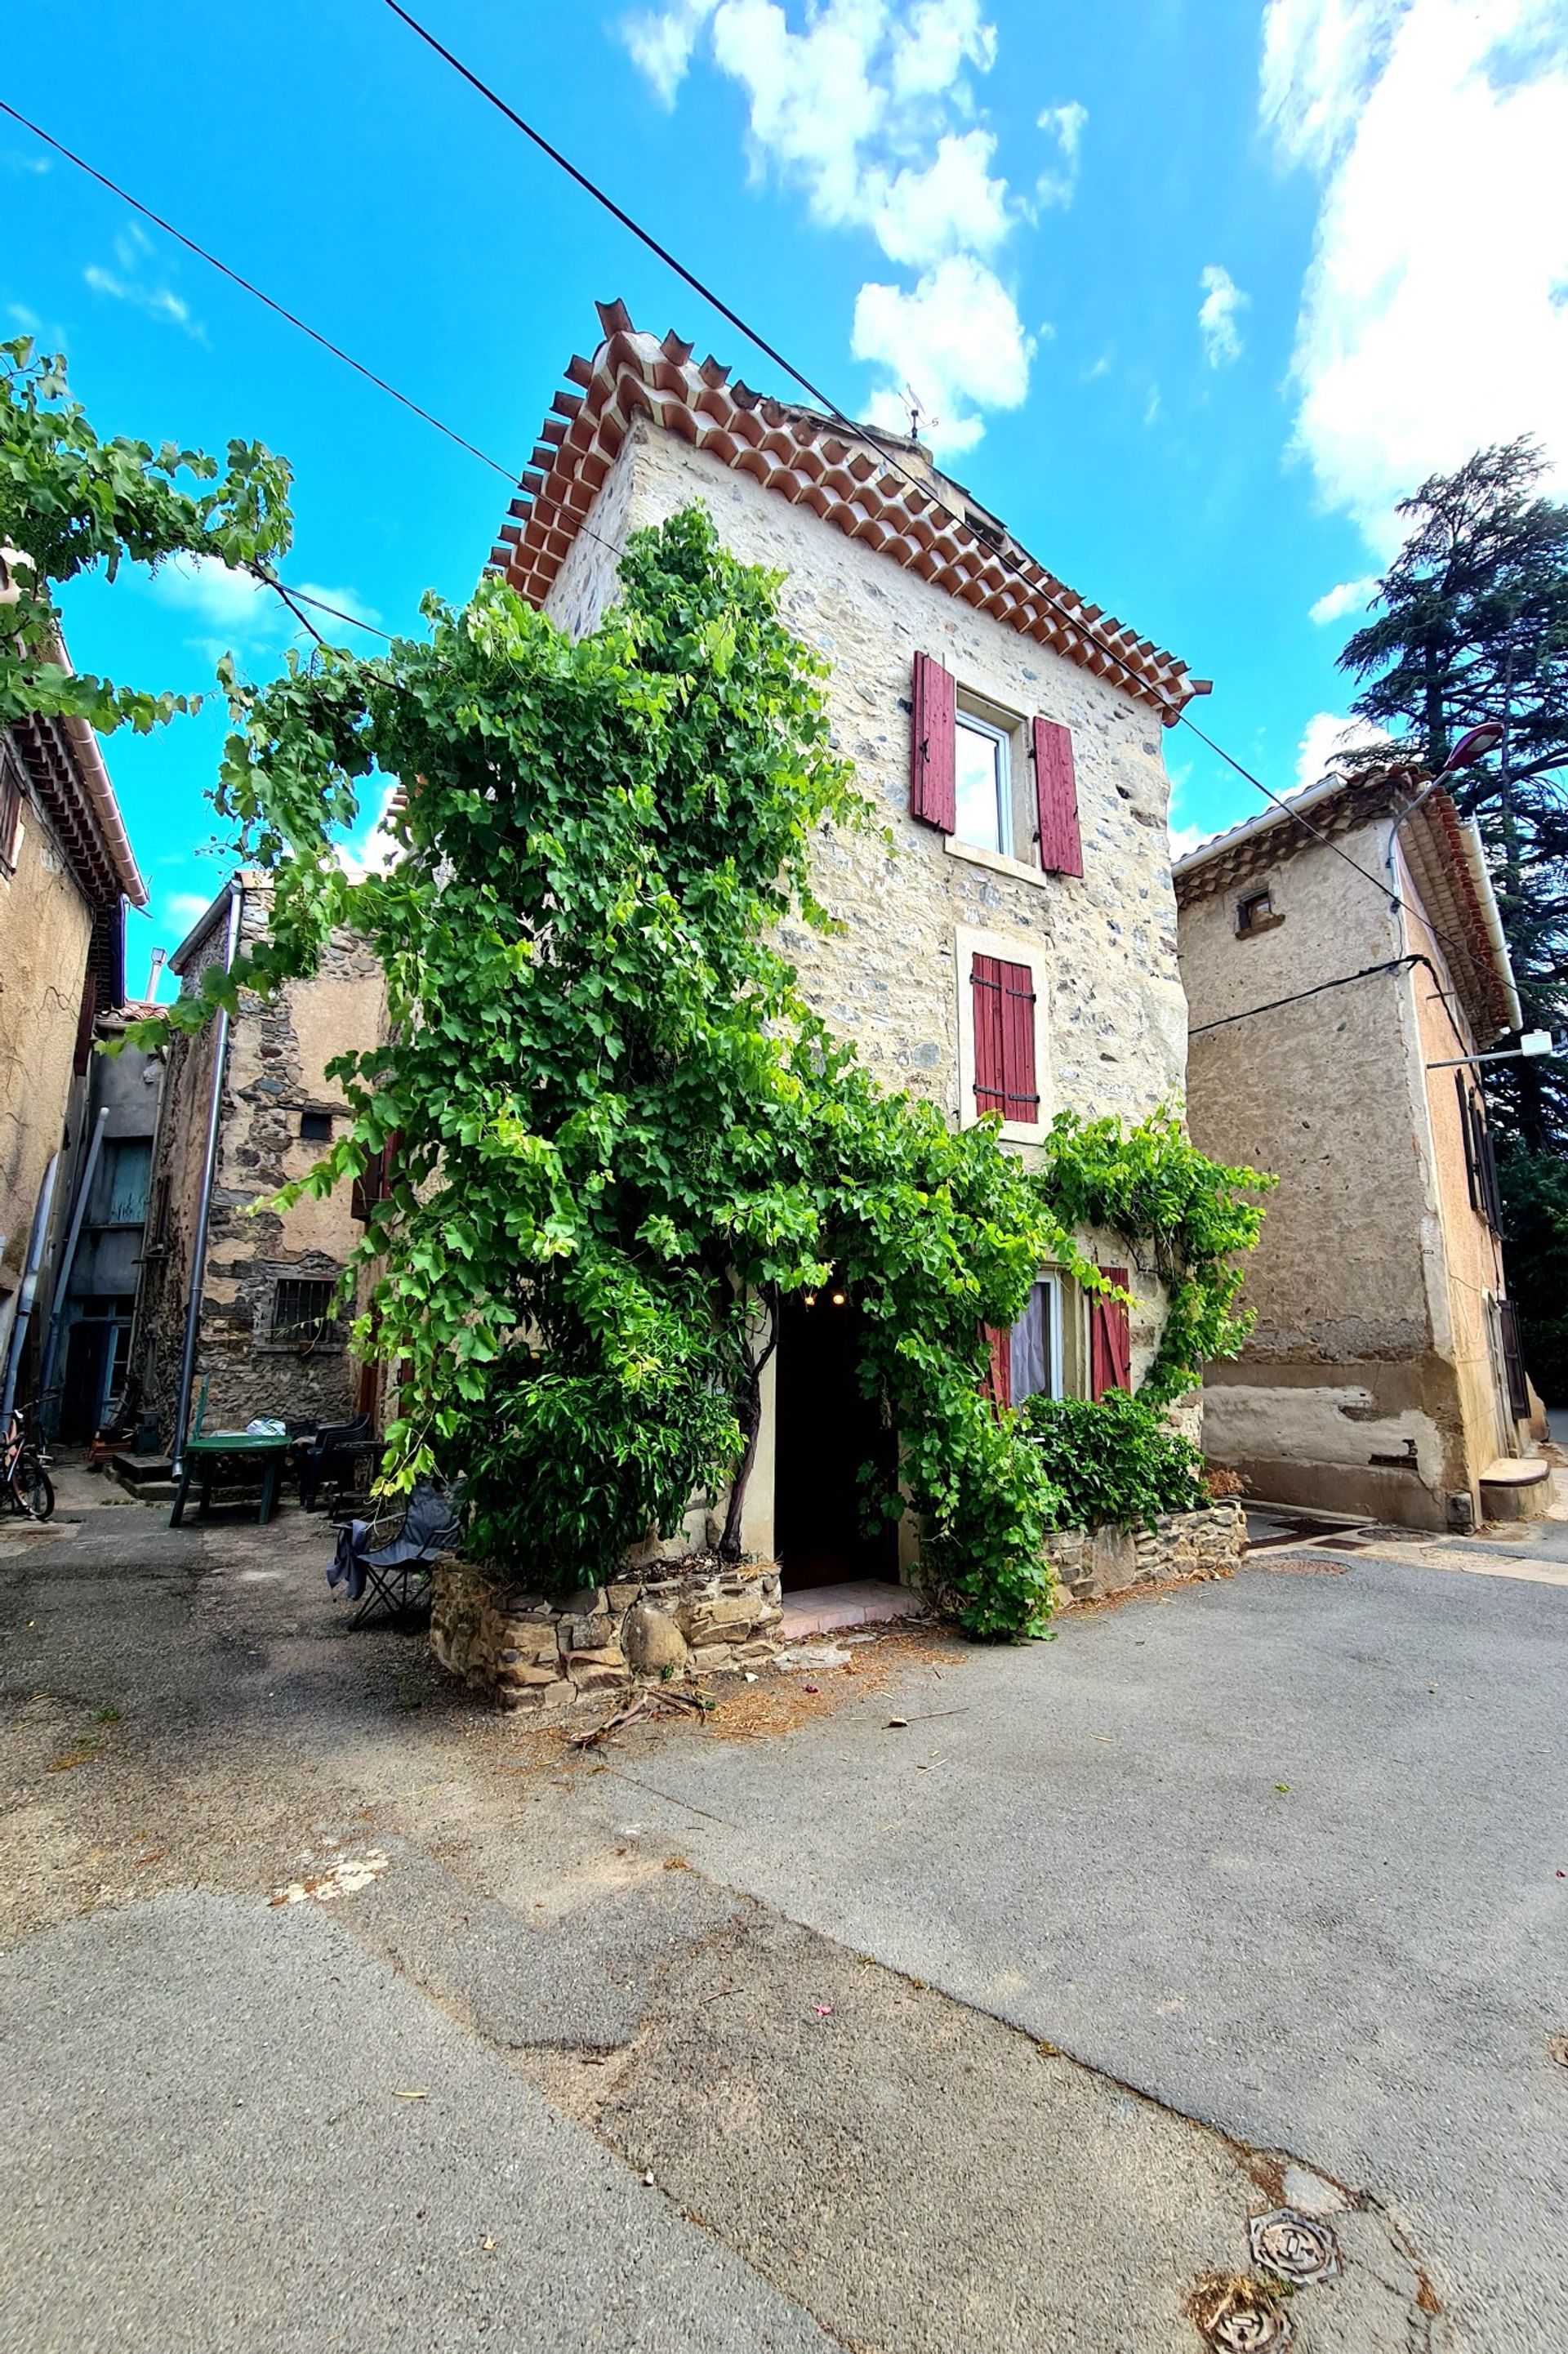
column 991, row 2030
column 1289, row 1854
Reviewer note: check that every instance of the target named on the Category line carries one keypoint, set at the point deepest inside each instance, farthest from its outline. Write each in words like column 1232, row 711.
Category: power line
column 294, row 598
column 864, row 433
column 260, row 295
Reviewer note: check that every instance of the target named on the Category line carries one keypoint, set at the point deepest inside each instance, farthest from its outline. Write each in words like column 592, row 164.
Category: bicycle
column 25, row 1482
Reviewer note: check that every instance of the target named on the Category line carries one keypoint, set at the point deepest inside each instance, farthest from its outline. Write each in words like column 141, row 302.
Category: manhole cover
column 1294, row 2248
column 1239, row 2316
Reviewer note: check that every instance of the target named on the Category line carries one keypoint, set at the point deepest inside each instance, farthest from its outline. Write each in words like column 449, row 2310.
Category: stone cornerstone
column 694, row 1613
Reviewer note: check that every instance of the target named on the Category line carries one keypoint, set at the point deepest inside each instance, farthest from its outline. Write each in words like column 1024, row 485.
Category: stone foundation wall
column 695, row 1613
column 1093, row 1563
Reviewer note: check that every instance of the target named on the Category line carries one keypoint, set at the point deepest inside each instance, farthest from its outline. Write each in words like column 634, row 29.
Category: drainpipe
column 204, row 1211
column 29, row 1290
column 48, row 1417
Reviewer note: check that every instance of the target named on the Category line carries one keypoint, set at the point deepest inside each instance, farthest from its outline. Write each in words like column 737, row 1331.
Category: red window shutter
column 1057, row 797
column 1022, row 1095
column 1003, row 1000
column 998, row 1379
column 990, row 1052
column 932, row 747
column 1110, row 1340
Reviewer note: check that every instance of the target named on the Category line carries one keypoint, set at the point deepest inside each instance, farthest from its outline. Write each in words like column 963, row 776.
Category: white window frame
column 967, row 945
column 1003, row 742
column 1050, row 1277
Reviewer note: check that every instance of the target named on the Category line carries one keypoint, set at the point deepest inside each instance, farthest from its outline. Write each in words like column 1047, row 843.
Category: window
column 1257, row 913
column 1005, row 1059
column 1035, row 1344
column 10, row 810
column 982, row 785
column 120, row 1189
column 1003, row 998
column 315, row 1127
column 302, row 1313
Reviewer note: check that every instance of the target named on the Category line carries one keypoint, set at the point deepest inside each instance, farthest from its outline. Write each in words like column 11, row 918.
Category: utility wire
column 509, row 472
column 752, row 335
column 1077, row 621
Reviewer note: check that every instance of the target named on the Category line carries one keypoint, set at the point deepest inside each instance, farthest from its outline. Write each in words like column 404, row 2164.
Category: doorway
column 825, row 1430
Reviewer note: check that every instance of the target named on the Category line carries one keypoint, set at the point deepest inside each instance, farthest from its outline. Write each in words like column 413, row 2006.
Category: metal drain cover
column 1295, row 2248
column 1239, row 2316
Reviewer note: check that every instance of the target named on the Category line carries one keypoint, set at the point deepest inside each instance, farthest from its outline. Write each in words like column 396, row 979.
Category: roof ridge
column 810, row 458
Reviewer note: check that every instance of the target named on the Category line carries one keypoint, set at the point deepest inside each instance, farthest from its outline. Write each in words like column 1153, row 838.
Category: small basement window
column 303, row 1312
column 315, row 1127
column 1257, row 913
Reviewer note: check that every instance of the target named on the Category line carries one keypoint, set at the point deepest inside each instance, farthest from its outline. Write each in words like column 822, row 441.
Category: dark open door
column 825, row 1431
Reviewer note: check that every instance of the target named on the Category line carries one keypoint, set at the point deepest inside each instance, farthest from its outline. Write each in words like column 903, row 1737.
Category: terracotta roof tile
column 808, row 459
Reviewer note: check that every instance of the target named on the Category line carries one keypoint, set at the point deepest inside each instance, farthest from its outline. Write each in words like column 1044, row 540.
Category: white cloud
column 241, row 615
column 371, row 849
column 956, row 340
column 1433, row 318
column 185, row 908
column 128, row 283
column 1349, row 597
column 953, row 205
column 868, row 107
column 34, row 166
column 1183, row 838
column 1217, row 314
column 1325, row 740
column 1066, row 125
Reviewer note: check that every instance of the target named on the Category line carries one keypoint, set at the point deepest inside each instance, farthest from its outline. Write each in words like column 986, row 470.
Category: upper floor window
column 968, row 774
column 982, row 784
column 1257, row 913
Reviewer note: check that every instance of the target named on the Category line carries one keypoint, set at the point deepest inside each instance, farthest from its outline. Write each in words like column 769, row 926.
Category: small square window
column 303, row 1312
column 315, row 1127
column 982, row 787
column 1257, row 912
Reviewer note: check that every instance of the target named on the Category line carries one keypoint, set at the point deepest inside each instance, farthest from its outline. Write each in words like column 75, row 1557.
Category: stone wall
column 697, row 1615
column 1112, row 1025
column 276, row 1072
column 1093, row 1563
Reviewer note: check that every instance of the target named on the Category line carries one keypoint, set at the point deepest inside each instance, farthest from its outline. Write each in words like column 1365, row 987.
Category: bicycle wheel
column 34, row 1489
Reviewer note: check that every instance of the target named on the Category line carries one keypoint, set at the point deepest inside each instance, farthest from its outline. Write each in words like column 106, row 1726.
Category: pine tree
column 1470, row 624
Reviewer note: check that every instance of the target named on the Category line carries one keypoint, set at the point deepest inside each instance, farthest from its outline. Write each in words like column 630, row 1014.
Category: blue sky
column 1195, row 289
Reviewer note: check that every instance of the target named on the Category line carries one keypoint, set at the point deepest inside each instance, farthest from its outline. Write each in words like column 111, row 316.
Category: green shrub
column 1118, row 1461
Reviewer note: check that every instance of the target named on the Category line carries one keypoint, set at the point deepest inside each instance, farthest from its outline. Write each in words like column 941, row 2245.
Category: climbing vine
column 620, row 1138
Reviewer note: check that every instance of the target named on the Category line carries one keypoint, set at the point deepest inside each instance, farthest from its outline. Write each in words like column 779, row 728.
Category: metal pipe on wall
column 29, row 1290
column 204, row 1209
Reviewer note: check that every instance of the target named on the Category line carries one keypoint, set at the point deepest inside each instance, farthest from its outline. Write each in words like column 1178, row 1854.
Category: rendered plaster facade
column 1371, row 1383
column 275, row 1074
column 1111, row 1019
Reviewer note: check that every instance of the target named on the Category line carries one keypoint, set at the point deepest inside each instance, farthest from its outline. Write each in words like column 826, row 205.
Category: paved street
column 991, row 2030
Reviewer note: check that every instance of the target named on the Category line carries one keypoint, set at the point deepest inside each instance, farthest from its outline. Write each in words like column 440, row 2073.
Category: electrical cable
column 1076, row 621
column 508, row 472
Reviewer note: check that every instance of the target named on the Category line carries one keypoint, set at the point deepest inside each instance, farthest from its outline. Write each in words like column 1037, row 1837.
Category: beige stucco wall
column 1111, row 1017
column 46, row 928
column 1361, row 1389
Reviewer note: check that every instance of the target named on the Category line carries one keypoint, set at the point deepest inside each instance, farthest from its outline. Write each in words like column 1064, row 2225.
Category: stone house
column 67, row 871
column 1015, row 949
column 272, row 1336
column 1329, row 1012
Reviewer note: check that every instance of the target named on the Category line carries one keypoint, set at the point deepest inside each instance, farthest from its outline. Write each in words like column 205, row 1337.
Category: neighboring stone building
column 66, row 872
column 271, row 1339
column 1383, row 1375
column 1016, row 948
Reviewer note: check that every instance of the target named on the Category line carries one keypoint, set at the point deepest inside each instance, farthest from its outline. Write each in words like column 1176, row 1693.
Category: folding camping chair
column 386, row 1563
